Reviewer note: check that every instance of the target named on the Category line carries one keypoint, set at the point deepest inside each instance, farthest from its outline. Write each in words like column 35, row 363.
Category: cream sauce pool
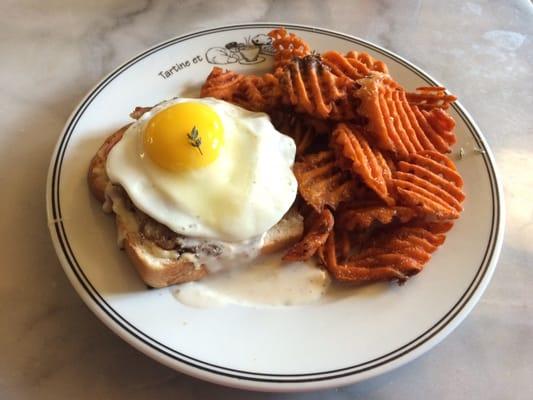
column 266, row 282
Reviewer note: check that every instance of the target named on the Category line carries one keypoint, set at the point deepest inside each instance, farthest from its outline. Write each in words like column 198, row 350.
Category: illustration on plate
column 250, row 51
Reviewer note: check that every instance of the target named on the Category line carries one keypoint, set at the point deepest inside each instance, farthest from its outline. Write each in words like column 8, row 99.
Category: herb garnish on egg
column 194, row 139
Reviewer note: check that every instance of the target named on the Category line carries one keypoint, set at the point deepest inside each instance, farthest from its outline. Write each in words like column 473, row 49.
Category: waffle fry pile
column 376, row 189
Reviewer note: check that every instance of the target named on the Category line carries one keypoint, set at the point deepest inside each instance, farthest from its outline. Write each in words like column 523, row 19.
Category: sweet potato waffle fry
column 430, row 186
column 322, row 183
column 398, row 126
column 376, row 189
column 430, row 97
column 305, row 130
column 361, row 217
column 353, row 65
column 355, row 154
column 287, row 46
column 309, row 86
column 221, row 84
column 248, row 91
column 314, row 238
column 396, row 254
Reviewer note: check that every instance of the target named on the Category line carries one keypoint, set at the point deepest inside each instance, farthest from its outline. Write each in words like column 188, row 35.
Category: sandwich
column 197, row 186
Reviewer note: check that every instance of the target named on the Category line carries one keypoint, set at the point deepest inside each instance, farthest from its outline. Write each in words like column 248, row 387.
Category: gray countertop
column 53, row 52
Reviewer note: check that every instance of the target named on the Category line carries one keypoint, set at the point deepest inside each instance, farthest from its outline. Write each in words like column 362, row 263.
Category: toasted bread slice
column 156, row 252
column 97, row 176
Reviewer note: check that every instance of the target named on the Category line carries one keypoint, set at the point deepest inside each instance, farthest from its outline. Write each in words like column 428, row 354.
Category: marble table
column 52, row 346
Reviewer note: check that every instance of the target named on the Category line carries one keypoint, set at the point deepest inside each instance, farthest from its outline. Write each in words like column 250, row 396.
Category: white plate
column 373, row 330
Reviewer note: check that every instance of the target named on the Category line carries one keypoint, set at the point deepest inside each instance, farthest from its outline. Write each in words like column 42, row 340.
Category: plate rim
column 253, row 380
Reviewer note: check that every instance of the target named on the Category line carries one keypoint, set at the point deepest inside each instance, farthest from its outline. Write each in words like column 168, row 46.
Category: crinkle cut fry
column 398, row 126
column 353, row 65
column 439, row 164
column 358, row 156
column 415, row 234
column 438, row 126
column 369, row 61
column 321, row 183
column 302, row 128
column 394, row 255
column 430, row 97
column 430, row 186
column 251, row 92
column 436, row 227
column 363, row 217
column 258, row 93
column 270, row 90
column 321, row 226
column 405, row 248
column 426, row 155
column 310, row 87
column 221, row 84
column 287, row 46
column 352, row 273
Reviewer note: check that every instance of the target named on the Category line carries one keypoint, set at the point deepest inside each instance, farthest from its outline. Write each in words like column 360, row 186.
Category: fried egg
column 206, row 169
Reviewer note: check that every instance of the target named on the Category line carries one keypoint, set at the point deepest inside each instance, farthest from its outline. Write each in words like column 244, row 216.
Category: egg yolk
column 184, row 136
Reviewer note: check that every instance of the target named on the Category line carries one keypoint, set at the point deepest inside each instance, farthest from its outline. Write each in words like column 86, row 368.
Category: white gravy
column 267, row 281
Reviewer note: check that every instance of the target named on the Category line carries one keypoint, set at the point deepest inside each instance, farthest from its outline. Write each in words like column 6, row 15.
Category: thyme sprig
column 194, row 139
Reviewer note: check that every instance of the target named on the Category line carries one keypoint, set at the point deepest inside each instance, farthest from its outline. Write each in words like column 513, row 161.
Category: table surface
column 53, row 52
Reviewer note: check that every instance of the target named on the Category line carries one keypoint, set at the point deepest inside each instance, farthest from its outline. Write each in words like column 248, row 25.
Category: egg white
column 239, row 196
